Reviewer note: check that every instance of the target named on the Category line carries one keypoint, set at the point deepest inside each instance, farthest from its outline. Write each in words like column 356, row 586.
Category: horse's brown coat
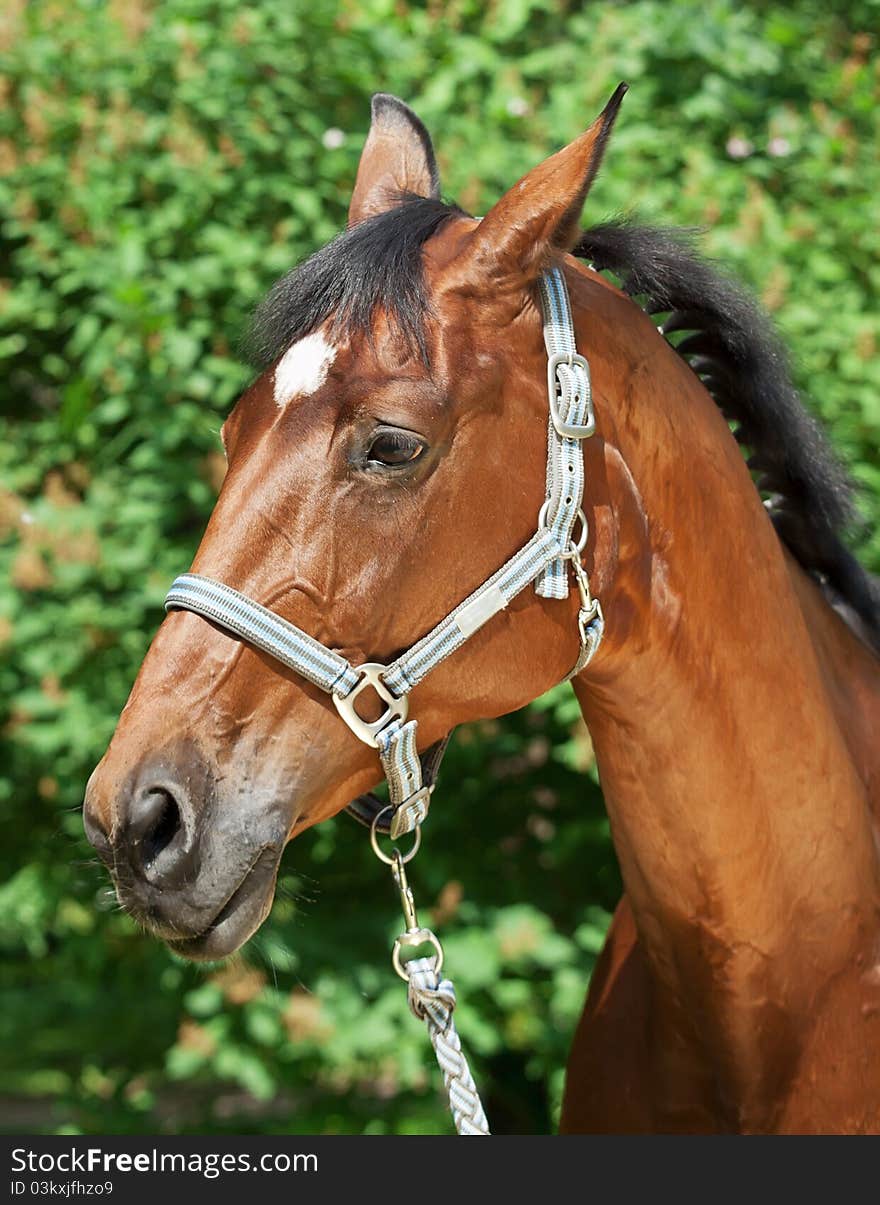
column 733, row 715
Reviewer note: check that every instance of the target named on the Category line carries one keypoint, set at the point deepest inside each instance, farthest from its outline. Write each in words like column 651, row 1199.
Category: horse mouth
column 239, row 918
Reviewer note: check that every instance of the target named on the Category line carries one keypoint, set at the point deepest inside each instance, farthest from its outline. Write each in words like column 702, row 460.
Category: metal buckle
column 563, row 429
column 397, row 709
column 408, row 815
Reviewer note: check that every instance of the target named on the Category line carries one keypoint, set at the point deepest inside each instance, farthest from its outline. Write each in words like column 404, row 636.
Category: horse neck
column 739, row 816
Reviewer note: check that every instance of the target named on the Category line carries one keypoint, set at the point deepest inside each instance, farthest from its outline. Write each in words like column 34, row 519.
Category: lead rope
column 430, row 998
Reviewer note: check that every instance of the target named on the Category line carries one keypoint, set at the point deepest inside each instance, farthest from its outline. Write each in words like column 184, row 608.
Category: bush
column 161, row 165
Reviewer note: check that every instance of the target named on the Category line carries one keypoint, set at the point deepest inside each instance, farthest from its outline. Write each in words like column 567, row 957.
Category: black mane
column 718, row 329
column 731, row 346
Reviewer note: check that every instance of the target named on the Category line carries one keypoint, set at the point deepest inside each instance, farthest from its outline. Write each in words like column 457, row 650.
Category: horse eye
column 391, row 449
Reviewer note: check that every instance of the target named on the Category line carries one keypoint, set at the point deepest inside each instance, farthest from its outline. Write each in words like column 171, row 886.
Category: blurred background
column 161, row 163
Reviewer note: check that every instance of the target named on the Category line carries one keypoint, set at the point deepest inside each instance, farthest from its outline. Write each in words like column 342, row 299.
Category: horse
column 389, row 456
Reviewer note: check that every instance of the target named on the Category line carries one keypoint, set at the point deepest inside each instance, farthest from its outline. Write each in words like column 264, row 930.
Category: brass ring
column 418, row 937
column 374, row 841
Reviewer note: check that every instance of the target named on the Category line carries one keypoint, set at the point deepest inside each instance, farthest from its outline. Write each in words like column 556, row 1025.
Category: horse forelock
column 374, row 265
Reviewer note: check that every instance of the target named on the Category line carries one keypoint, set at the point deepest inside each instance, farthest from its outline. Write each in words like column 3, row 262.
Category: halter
column 544, row 560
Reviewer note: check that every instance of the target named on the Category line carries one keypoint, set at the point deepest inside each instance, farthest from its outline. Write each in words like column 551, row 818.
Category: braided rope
column 432, row 1000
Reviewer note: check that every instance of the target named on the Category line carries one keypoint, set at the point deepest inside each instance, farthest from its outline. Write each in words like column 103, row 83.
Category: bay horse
column 388, row 458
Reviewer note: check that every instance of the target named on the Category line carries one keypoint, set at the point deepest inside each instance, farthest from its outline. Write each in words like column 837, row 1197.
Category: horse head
column 390, row 456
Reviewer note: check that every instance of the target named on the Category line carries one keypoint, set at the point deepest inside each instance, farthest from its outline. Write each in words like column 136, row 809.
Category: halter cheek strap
column 545, row 559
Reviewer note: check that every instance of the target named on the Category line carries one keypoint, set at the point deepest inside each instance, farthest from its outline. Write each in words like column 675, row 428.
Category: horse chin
column 238, row 919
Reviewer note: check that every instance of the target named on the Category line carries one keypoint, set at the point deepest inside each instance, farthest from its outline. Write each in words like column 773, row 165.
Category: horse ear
column 542, row 212
column 397, row 158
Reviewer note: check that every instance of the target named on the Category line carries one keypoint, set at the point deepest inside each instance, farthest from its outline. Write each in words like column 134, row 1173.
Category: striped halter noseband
column 545, row 560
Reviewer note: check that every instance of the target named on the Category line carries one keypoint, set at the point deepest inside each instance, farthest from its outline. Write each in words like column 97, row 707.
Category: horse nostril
column 163, row 822
column 155, row 834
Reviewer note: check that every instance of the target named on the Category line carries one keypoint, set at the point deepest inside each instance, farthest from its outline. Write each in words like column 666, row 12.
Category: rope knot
column 429, row 997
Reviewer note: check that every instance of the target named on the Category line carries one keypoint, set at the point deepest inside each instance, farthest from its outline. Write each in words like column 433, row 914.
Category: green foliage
column 160, row 164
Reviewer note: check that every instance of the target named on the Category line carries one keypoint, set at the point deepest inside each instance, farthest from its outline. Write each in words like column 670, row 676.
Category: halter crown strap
column 543, row 560
column 570, row 421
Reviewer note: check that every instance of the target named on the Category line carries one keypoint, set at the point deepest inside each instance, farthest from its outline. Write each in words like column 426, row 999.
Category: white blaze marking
column 303, row 368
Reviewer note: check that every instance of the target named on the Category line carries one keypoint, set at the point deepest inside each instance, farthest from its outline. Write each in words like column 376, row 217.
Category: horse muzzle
column 194, row 868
